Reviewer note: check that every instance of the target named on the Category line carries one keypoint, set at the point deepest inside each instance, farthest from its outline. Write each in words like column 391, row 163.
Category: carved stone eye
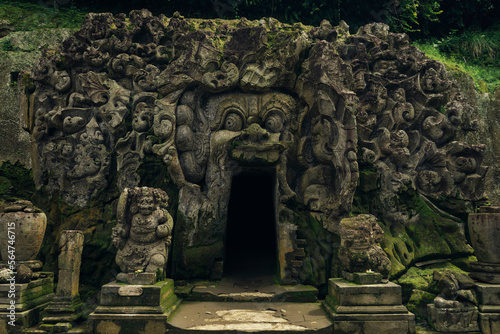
column 233, row 122
column 274, row 123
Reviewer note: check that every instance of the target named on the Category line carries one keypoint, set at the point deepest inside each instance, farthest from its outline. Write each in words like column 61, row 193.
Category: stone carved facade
column 143, row 231
column 311, row 105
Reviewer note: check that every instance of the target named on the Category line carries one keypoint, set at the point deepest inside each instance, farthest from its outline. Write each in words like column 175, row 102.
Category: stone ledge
column 352, row 294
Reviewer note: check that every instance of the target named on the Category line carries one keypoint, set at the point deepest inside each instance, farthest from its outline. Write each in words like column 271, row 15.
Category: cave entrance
column 251, row 248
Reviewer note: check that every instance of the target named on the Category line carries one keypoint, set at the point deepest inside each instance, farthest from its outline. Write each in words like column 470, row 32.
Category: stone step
column 255, row 317
column 293, row 293
column 254, row 290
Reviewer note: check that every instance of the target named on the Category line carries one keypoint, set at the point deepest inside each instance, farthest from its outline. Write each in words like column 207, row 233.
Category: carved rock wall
column 313, row 106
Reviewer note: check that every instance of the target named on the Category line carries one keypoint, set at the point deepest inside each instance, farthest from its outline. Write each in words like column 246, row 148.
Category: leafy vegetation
column 476, row 53
column 420, row 18
column 24, row 16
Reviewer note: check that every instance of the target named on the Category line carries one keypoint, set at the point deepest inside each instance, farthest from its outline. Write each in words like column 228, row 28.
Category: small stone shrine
column 140, row 299
column 484, row 230
column 25, row 291
column 362, row 302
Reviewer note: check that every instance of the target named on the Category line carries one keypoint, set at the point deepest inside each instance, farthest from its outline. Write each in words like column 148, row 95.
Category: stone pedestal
column 454, row 320
column 127, row 308
column 489, row 307
column 29, row 303
column 484, row 230
column 367, row 308
column 66, row 307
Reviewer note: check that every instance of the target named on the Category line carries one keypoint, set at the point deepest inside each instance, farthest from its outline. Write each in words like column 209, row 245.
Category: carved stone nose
column 255, row 133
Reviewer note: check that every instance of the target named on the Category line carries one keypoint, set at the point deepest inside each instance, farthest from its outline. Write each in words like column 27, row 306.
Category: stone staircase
column 248, row 304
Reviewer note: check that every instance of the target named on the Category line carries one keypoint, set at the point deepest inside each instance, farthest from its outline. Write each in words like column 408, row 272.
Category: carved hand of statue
column 162, row 231
column 118, row 235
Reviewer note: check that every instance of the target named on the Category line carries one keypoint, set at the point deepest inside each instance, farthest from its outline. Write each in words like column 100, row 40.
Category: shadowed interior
column 251, row 232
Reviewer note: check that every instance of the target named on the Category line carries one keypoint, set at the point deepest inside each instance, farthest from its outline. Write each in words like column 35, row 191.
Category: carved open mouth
column 256, row 154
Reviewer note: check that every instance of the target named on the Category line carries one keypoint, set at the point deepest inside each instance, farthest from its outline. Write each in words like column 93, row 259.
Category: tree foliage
column 421, row 18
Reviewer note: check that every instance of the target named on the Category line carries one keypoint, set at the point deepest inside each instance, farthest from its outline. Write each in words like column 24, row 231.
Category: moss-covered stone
column 420, row 278
column 418, row 303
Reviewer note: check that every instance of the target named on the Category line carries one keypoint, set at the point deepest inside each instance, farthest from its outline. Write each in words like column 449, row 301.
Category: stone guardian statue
column 143, row 231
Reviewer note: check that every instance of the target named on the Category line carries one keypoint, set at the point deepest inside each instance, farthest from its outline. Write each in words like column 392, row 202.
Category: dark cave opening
column 251, row 248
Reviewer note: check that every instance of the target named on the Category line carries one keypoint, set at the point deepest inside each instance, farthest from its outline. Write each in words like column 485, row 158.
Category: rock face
column 23, row 54
column 313, row 107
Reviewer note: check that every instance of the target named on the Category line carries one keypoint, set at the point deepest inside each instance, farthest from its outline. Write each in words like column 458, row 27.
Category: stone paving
column 250, row 317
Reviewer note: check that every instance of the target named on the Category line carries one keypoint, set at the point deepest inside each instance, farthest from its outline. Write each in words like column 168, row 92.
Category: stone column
column 66, row 306
column 70, row 259
column 484, row 230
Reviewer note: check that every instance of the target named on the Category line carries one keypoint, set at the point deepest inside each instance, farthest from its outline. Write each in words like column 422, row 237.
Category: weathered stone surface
column 363, row 278
column 29, row 295
column 489, row 323
column 21, row 224
column 488, row 294
column 455, row 308
column 71, row 243
column 484, row 229
column 142, row 234
column 66, row 306
column 360, row 250
column 297, row 101
column 455, row 320
column 374, row 308
column 132, row 312
column 26, row 50
column 113, row 294
column 351, row 294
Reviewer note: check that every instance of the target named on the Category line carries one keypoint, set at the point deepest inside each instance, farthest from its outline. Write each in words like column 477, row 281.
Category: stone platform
column 127, row 308
column 489, row 307
column 367, row 309
column 257, row 317
column 248, row 289
column 30, row 301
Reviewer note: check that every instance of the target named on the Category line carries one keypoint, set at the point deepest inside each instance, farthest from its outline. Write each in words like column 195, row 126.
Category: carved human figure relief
column 144, row 230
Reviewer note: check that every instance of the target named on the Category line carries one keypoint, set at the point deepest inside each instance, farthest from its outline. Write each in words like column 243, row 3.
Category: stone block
column 352, row 294
column 460, row 320
column 24, row 319
column 137, row 278
column 363, row 278
column 129, row 323
column 120, row 294
column 487, row 277
column 28, row 293
column 488, row 294
column 489, row 323
column 374, row 323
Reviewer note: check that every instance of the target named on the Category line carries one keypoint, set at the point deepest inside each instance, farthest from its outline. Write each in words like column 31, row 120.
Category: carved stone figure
column 454, row 309
column 359, row 246
column 143, row 231
column 208, row 99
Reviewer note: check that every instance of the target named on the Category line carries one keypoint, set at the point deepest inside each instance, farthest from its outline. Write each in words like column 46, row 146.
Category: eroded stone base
column 489, row 307
column 128, row 323
column 453, row 320
column 367, row 309
column 489, row 323
column 30, row 300
column 23, row 319
column 136, row 308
